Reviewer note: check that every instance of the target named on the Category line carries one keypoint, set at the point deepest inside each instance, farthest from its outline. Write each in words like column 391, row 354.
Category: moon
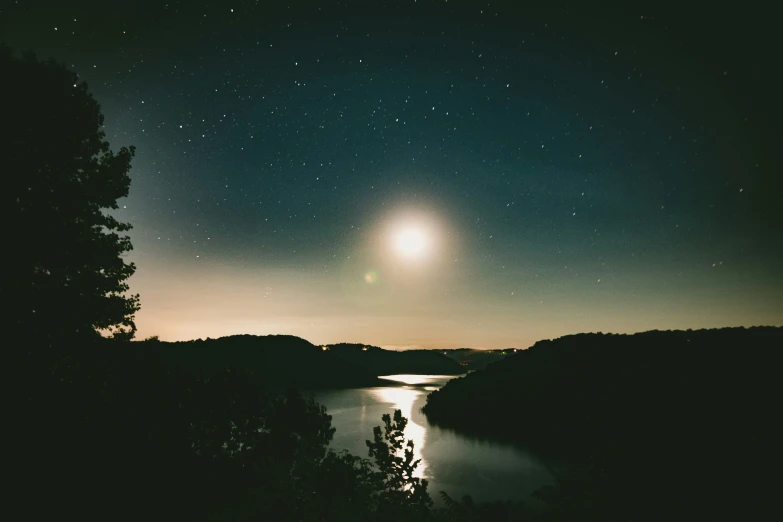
column 411, row 242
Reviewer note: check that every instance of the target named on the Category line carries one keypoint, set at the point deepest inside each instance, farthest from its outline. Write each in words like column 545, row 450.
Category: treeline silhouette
column 656, row 425
column 282, row 361
column 285, row 361
column 472, row 359
column 388, row 362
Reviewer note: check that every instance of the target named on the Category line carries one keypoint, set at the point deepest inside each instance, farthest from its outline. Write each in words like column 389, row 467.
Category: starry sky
column 568, row 169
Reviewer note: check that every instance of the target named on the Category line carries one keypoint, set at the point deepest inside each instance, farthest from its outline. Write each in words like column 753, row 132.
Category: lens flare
column 371, row 277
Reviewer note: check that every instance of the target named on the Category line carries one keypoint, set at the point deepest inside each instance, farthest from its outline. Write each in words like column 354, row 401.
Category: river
column 451, row 462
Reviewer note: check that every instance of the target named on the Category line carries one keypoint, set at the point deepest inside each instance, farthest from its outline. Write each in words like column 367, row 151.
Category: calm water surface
column 454, row 463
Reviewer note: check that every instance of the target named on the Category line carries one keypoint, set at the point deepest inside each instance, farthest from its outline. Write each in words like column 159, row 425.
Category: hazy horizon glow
column 198, row 303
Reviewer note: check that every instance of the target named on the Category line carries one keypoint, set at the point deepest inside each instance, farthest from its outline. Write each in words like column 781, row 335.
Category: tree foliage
column 397, row 480
column 67, row 274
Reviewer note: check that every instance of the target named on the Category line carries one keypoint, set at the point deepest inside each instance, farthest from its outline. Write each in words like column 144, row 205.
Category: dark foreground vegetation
column 104, row 430
column 108, row 433
column 656, row 425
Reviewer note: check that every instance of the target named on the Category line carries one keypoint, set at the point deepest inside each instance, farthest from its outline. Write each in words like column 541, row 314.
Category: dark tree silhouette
column 397, row 471
column 345, row 487
column 66, row 277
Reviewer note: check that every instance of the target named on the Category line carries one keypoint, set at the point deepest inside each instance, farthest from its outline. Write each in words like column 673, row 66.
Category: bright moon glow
column 411, row 242
column 412, row 238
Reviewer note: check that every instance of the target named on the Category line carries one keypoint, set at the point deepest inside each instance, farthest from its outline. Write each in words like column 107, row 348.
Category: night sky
column 546, row 171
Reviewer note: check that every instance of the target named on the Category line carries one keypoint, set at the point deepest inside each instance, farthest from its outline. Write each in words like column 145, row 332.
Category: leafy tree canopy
column 68, row 277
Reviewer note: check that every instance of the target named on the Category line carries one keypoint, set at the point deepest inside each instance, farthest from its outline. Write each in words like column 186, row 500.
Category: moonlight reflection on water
column 402, row 398
column 450, row 461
